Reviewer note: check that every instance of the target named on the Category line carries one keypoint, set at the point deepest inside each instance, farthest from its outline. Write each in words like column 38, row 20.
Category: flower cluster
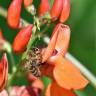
column 64, row 75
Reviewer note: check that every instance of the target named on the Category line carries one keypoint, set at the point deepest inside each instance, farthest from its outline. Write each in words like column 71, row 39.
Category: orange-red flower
column 21, row 39
column 44, row 7
column 65, row 11
column 55, row 90
column 27, row 2
column 62, row 71
column 1, row 36
column 14, row 11
column 56, row 9
column 61, row 10
column 3, row 71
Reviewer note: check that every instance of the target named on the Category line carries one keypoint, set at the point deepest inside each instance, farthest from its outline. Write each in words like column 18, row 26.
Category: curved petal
column 13, row 15
column 47, row 70
column 44, row 7
column 1, row 35
column 63, row 39
column 48, row 93
column 27, row 2
column 22, row 38
column 31, row 77
column 3, row 71
column 55, row 90
column 56, row 9
column 38, row 84
column 51, row 46
column 65, row 11
column 67, row 75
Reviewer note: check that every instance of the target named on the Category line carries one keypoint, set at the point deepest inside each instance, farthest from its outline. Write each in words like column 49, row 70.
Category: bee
column 33, row 61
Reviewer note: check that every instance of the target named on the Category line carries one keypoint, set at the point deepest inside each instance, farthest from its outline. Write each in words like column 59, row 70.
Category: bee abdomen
column 36, row 72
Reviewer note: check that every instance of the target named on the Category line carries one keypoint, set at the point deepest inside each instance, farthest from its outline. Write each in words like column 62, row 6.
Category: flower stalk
column 82, row 68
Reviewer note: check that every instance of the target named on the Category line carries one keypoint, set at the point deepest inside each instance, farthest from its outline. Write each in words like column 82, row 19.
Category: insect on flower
column 33, row 61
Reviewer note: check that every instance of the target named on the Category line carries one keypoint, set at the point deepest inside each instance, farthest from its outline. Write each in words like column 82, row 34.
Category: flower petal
column 14, row 11
column 44, row 7
column 59, row 41
column 3, row 71
column 1, row 35
column 55, row 90
column 47, row 93
column 65, row 11
column 38, row 84
column 56, row 9
column 47, row 70
column 27, row 2
column 63, row 39
column 49, row 50
column 22, row 38
column 31, row 77
column 67, row 75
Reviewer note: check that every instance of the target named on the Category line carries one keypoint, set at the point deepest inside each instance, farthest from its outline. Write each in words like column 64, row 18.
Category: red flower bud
column 3, row 71
column 22, row 38
column 1, row 36
column 27, row 2
column 65, row 11
column 56, row 9
column 44, row 7
column 14, row 11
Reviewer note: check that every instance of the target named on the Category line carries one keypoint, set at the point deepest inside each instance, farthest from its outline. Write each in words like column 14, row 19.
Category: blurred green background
column 82, row 22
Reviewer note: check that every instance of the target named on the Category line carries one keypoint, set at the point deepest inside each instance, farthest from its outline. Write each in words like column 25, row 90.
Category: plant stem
column 12, row 62
column 3, row 12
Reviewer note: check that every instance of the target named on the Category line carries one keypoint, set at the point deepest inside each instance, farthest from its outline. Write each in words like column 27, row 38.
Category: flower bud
column 27, row 2
column 14, row 10
column 44, row 7
column 56, row 9
column 3, row 71
column 1, row 36
column 22, row 38
column 65, row 11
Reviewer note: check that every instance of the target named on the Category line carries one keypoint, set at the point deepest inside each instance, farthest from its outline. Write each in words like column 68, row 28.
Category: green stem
column 13, row 76
column 12, row 62
column 3, row 12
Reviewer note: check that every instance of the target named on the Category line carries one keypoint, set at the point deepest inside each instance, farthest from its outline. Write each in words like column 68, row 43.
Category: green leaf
column 51, row 3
